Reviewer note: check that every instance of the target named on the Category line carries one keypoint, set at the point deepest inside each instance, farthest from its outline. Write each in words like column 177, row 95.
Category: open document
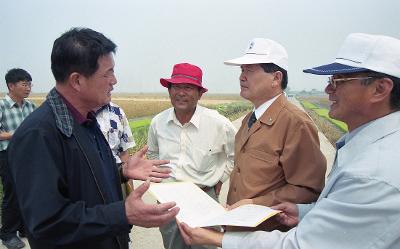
column 197, row 209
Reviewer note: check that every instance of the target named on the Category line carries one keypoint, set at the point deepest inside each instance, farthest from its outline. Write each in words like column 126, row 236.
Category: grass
column 331, row 132
column 139, row 129
column 308, row 105
column 232, row 111
column 322, row 112
column 139, row 123
column 316, row 107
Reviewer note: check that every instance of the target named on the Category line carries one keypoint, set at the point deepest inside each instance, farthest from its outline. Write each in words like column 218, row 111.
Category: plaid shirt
column 12, row 115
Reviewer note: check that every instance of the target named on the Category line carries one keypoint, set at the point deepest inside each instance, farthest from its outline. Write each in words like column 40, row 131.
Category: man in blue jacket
column 67, row 182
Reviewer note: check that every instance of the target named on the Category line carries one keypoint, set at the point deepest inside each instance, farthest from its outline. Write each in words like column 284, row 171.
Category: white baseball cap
column 262, row 50
column 362, row 52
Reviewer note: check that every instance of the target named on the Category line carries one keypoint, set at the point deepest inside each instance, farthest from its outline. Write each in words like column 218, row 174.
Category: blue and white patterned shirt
column 115, row 128
column 12, row 115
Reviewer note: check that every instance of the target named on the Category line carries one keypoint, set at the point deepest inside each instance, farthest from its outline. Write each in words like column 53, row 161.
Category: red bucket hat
column 185, row 73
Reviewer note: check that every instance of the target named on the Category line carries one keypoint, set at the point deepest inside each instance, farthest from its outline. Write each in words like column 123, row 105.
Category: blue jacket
column 60, row 185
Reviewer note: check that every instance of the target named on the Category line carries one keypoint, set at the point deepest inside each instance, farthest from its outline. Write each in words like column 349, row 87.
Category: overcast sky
column 153, row 35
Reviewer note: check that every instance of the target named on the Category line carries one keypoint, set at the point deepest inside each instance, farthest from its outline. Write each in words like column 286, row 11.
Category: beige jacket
column 278, row 159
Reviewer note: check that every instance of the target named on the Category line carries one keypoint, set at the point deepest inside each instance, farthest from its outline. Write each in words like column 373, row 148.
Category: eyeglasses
column 335, row 82
column 27, row 84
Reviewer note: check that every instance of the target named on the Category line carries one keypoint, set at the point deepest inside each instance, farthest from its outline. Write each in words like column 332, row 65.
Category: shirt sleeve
column 259, row 240
column 1, row 120
column 304, row 209
column 359, row 212
column 229, row 149
column 304, row 168
column 126, row 141
column 152, row 143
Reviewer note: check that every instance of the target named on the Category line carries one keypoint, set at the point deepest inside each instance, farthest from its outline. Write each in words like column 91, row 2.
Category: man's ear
column 10, row 86
column 200, row 93
column 75, row 81
column 277, row 81
column 382, row 89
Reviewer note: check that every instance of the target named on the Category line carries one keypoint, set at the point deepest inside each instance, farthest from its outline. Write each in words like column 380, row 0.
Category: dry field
column 331, row 132
column 321, row 101
column 149, row 104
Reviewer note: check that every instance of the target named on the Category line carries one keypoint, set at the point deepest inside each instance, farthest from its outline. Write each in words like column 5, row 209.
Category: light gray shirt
column 359, row 206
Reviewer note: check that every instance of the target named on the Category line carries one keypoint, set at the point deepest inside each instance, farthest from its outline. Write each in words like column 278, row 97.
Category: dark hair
column 16, row 75
column 78, row 50
column 395, row 94
column 271, row 68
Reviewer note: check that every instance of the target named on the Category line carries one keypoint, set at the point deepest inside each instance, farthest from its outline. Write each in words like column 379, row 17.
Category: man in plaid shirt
column 13, row 110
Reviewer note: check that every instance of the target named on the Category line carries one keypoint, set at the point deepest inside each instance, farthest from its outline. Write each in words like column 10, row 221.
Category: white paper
column 197, row 209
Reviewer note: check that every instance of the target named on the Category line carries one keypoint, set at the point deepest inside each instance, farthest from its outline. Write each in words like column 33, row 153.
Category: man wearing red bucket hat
column 199, row 142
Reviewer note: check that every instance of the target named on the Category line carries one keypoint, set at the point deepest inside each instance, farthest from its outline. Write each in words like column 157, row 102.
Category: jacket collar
column 368, row 134
column 268, row 118
column 262, row 108
column 64, row 119
column 271, row 114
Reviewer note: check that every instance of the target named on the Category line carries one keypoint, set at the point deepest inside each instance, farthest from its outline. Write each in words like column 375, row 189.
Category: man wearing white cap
column 359, row 206
column 277, row 154
column 199, row 142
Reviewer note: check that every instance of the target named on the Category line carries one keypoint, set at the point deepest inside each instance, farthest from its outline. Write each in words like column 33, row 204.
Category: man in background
column 359, row 206
column 277, row 154
column 67, row 183
column 115, row 127
column 198, row 141
column 14, row 108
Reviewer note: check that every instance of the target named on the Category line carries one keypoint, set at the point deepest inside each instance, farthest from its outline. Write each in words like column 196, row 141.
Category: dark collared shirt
column 97, row 139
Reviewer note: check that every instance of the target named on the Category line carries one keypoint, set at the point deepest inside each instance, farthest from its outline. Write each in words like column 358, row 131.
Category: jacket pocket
column 263, row 156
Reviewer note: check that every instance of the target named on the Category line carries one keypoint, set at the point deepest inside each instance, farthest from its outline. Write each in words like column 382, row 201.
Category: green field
column 232, row 111
column 322, row 112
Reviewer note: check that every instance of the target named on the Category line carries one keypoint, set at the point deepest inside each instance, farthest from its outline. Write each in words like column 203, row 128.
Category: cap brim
column 334, row 68
column 249, row 59
column 166, row 82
